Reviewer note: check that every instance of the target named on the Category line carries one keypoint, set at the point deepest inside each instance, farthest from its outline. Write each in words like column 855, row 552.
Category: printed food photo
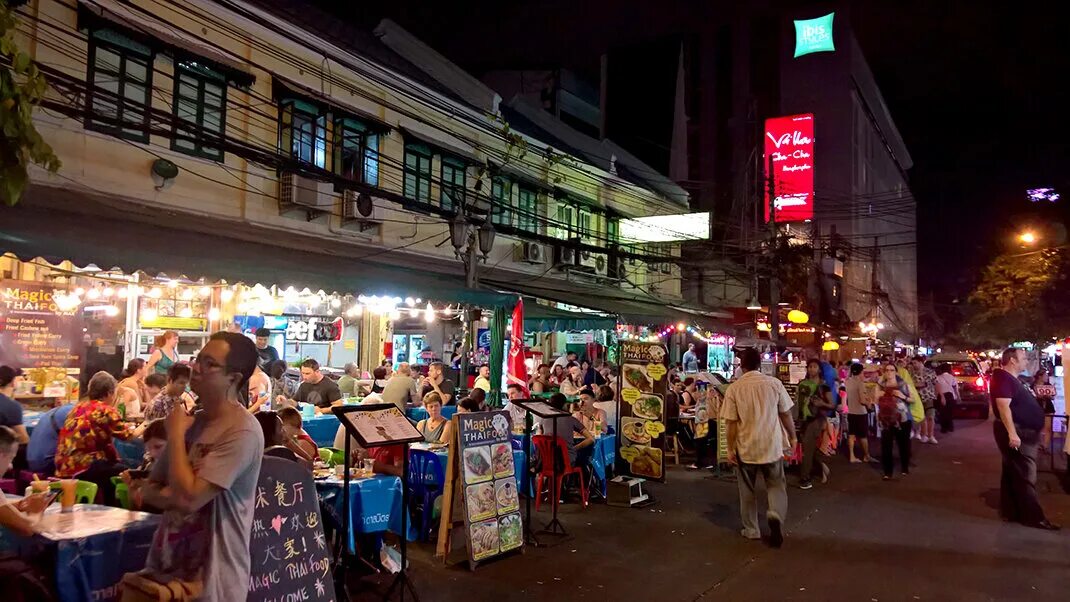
column 635, row 376
column 477, row 467
column 634, row 430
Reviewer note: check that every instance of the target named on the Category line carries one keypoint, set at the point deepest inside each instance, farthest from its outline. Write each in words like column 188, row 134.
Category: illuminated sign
column 313, row 329
column 814, row 35
column 789, row 147
column 666, row 228
column 1042, row 194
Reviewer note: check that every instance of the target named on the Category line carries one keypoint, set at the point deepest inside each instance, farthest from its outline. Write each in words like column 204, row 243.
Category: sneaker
column 825, row 473
column 776, row 532
column 806, row 485
column 886, row 477
column 692, row 466
column 855, row 460
column 933, row 440
column 750, row 535
column 923, row 439
column 869, row 459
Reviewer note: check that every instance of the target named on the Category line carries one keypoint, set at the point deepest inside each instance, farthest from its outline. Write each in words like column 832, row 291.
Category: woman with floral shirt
column 85, row 444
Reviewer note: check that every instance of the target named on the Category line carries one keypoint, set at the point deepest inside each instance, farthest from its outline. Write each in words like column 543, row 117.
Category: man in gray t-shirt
column 206, row 487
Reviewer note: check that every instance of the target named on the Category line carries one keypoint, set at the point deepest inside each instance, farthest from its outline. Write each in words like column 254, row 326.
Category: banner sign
column 491, row 501
column 34, row 331
column 814, row 35
column 642, row 410
column 313, row 329
column 290, row 558
column 789, row 146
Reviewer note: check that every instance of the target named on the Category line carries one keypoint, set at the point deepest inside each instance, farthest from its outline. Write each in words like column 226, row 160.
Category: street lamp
column 1027, row 238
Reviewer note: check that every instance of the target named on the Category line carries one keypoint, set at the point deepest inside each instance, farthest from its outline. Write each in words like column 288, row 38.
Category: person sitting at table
column 154, row 383
column 85, row 447
column 315, row 389
column 483, row 379
column 20, row 517
column 173, row 395
column 11, row 410
column 573, row 381
column 519, row 415
column 576, row 436
column 401, row 388
column 606, row 400
column 469, row 404
column 379, row 379
column 480, row 397
column 41, row 451
column 688, row 393
column 592, row 418
column 435, row 428
column 282, row 388
column 436, row 382
column 292, row 431
column 557, row 374
column 540, row 381
column 386, row 459
column 131, row 392
column 155, row 436
column 259, row 390
column 276, row 443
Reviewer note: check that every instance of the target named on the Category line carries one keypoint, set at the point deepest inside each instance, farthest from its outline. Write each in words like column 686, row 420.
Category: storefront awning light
column 830, row 346
column 796, row 316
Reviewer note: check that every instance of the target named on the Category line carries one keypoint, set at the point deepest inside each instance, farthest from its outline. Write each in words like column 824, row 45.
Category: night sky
column 979, row 95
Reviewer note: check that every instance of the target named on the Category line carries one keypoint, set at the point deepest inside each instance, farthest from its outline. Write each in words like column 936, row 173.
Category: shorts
column 858, row 425
column 930, row 412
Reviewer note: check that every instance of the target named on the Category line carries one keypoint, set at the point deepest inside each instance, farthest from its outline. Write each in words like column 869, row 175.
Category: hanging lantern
column 796, row 316
column 830, row 346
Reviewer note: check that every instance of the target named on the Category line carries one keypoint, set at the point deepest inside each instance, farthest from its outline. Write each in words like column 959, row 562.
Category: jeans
column 946, row 411
column 896, row 435
column 776, row 493
column 1018, row 479
column 811, row 462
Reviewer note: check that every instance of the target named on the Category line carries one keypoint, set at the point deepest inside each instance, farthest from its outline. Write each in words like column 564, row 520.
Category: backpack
column 888, row 414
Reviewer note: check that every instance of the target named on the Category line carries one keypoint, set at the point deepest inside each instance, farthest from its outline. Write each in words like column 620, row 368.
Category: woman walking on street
column 815, row 400
column 894, row 420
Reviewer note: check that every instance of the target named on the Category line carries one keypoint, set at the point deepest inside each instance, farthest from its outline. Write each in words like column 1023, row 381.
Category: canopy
column 122, row 235
column 543, row 318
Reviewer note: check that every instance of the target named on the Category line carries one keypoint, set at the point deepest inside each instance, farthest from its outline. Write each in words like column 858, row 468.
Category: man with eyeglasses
column 206, row 481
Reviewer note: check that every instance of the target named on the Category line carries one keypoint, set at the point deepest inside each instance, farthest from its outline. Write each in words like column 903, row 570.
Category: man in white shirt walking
column 757, row 410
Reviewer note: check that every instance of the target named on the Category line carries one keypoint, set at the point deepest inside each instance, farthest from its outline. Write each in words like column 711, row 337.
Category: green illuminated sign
column 814, row 35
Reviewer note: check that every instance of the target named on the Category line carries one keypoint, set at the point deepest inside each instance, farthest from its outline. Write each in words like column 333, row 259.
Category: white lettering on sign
column 791, row 138
column 376, row 519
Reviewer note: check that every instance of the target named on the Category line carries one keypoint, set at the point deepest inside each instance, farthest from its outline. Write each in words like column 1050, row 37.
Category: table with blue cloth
column 374, row 505
column 90, row 549
column 322, row 428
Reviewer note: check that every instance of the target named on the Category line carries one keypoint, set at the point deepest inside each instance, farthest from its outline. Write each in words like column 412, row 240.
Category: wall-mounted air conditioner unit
column 304, row 197
column 360, row 210
column 529, row 252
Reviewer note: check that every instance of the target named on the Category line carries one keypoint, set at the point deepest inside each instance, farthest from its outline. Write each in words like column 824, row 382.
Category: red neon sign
column 789, row 141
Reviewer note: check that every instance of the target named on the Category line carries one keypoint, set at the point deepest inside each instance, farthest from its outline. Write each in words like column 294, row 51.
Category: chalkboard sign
column 642, row 410
column 290, row 556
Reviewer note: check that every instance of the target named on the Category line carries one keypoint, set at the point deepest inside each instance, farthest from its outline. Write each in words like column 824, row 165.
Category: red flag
column 518, row 371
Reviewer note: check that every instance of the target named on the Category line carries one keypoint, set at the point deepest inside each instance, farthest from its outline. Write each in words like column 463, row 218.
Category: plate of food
column 648, row 406
column 636, row 377
column 647, row 462
column 484, row 538
column 477, row 467
column 502, row 460
column 510, row 532
column 481, row 502
column 634, row 430
column 505, row 493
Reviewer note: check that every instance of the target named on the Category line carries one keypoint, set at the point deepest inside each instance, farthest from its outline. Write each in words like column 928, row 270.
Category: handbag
column 144, row 587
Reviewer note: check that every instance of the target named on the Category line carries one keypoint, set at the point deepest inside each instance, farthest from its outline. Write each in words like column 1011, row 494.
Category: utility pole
column 774, row 280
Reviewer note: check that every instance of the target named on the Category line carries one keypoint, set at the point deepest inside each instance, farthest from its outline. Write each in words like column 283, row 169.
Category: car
column 973, row 384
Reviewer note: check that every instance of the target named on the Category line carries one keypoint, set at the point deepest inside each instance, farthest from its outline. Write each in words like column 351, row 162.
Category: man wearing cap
column 11, row 410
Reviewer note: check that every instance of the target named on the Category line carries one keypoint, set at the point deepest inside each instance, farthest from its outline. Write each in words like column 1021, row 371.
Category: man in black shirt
column 1019, row 420
column 436, row 382
column 317, row 389
column 266, row 352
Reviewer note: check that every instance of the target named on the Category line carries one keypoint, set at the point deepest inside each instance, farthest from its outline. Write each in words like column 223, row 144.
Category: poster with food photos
column 643, row 385
column 488, row 479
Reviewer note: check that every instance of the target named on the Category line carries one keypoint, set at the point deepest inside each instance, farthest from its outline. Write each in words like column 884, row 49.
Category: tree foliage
column 1021, row 297
column 22, row 87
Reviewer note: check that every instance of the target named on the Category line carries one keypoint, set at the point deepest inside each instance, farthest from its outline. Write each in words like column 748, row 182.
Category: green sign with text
column 814, row 35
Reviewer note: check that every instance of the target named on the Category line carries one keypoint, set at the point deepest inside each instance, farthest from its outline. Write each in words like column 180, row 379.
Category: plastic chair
column 122, row 492
column 325, row 456
column 426, row 481
column 84, row 492
column 332, row 456
column 545, row 446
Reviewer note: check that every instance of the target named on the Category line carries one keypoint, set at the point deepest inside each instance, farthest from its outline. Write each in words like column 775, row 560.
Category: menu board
column 491, row 501
column 379, row 424
column 290, row 558
column 34, row 331
column 642, row 410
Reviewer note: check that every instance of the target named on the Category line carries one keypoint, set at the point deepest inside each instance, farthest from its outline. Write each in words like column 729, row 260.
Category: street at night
column 316, row 301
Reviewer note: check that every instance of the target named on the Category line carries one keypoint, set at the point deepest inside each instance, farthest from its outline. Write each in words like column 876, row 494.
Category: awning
column 59, row 225
column 630, row 310
column 543, row 318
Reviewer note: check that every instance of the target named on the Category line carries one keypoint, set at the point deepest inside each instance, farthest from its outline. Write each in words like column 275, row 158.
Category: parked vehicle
column 974, row 399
